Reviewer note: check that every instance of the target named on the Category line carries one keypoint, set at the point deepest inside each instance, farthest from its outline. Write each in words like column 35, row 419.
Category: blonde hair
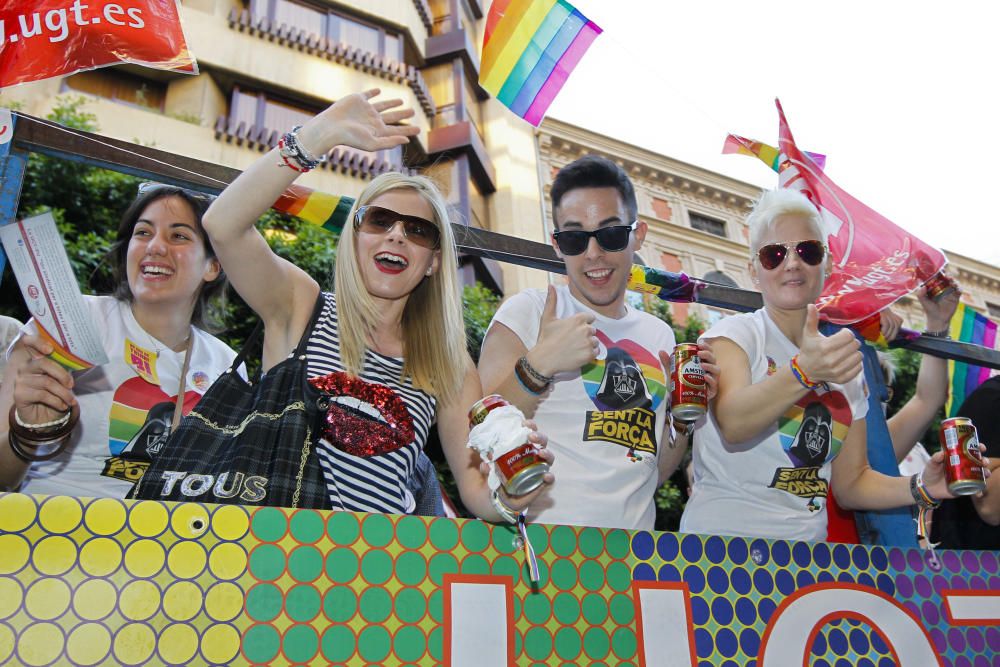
column 433, row 328
column 772, row 205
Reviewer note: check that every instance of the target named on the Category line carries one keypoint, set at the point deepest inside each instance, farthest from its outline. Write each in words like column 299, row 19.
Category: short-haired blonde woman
column 389, row 344
column 789, row 417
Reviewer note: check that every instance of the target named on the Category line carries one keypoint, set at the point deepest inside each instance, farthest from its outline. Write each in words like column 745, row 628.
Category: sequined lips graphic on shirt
column 363, row 418
column 628, row 377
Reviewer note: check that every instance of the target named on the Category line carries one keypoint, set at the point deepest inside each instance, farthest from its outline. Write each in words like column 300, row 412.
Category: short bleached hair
column 772, row 205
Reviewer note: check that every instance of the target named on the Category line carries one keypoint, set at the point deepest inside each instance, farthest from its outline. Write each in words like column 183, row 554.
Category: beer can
column 939, row 285
column 521, row 470
column 963, row 462
column 688, row 391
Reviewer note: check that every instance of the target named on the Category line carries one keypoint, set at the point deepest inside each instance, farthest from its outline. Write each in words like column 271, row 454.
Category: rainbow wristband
column 800, row 375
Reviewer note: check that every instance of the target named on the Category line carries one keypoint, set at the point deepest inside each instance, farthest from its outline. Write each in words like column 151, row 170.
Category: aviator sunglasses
column 773, row 254
column 378, row 220
column 611, row 239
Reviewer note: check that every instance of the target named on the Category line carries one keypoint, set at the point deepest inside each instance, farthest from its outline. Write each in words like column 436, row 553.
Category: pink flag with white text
column 874, row 261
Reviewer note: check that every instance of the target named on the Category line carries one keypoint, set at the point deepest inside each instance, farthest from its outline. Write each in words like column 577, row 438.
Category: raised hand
column 939, row 312
column 564, row 344
column 890, row 324
column 835, row 358
column 43, row 390
column 358, row 122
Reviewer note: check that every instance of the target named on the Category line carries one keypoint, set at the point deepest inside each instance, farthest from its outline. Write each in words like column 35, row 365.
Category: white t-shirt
column 914, row 461
column 123, row 415
column 604, row 421
column 776, row 484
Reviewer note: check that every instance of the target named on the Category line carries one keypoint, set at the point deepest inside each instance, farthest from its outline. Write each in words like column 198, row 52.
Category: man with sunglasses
column 587, row 367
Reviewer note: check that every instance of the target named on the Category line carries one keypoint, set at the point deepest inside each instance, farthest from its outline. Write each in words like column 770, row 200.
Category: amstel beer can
column 688, row 391
column 940, row 285
column 521, row 469
column 963, row 462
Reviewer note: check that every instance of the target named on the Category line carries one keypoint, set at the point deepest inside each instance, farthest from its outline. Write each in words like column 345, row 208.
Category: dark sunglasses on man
column 379, row 220
column 772, row 255
column 611, row 239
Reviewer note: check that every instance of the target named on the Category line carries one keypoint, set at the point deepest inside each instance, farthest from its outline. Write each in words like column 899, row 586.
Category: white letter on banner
column 664, row 625
column 789, row 635
column 972, row 607
column 478, row 620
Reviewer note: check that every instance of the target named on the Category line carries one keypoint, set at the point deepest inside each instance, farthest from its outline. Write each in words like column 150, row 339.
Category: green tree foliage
column 478, row 306
column 904, row 386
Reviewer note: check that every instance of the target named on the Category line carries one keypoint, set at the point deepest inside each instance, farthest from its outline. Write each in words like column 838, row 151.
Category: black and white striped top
column 374, row 483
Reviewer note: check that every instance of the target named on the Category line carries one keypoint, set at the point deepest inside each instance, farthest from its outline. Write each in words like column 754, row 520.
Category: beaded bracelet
column 293, row 154
column 800, row 375
column 509, row 514
column 531, row 380
column 921, row 496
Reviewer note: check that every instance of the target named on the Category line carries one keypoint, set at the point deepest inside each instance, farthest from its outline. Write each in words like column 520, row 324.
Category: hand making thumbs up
column 564, row 344
column 835, row 358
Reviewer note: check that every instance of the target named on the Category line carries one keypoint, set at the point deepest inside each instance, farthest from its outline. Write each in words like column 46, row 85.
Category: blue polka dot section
column 736, row 585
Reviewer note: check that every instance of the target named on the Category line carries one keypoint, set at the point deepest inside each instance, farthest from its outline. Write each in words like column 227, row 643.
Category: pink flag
column 875, row 262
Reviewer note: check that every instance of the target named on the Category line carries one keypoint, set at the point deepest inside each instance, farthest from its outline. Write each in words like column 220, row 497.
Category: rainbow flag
column 317, row 208
column 968, row 326
column 767, row 154
column 529, row 49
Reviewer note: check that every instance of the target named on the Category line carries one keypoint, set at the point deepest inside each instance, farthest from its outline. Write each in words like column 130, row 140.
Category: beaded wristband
column 921, row 496
column 45, row 426
column 800, row 375
column 534, row 373
column 944, row 334
column 292, row 152
column 529, row 377
column 508, row 514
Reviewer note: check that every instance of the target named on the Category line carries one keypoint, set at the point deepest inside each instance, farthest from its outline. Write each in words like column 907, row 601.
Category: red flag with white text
column 874, row 261
column 41, row 39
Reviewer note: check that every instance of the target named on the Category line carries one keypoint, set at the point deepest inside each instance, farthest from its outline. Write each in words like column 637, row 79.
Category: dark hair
column 594, row 171
column 210, row 303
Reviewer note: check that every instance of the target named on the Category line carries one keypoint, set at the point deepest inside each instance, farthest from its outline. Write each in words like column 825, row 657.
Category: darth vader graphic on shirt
column 811, row 432
column 626, row 386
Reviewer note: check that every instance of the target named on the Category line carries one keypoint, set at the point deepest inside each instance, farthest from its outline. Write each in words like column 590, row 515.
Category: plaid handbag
column 246, row 443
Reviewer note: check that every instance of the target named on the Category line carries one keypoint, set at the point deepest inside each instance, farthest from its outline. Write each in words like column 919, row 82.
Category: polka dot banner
column 93, row 582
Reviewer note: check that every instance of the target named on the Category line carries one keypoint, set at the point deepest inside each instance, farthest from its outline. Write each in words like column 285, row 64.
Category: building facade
column 266, row 65
column 697, row 219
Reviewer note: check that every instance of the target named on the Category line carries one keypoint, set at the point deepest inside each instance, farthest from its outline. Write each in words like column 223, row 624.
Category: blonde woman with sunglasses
column 788, row 421
column 93, row 432
column 389, row 345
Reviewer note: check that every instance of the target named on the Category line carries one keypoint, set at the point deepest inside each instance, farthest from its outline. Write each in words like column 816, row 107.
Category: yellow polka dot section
column 134, row 644
column 230, row 522
column 100, row 556
column 10, row 598
column 60, row 514
column 105, row 516
column 16, row 512
column 224, row 601
column 148, row 519
column 186, row 560
column 178, row 643
column 94, row 599
column 220, row 644
column 227, row 560
column 47, row 599
column 53, row 555
column 189, row 520
column 40, row 644
column 144, row 558
column 182, row 601
column 88, row 644
column 14, row 553
column 7, row 639
column 139, row 600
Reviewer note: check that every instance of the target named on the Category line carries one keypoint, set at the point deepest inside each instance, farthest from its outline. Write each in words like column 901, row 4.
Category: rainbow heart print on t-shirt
column 629, row 376
column 813, row 430
column 130, row 407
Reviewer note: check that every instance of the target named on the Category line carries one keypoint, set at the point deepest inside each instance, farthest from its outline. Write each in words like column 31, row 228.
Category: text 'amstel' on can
column 963, row 462
column 517, row 463
column 688, row 390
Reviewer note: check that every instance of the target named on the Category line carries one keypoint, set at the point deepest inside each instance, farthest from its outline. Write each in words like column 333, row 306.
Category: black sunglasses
column 773, row 254
column 611, row 239
column 379, row 220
